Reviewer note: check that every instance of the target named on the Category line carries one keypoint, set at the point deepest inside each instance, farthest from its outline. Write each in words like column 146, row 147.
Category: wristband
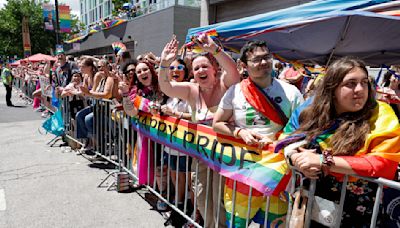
column 163, row 67
column 217, row 50
column 180, row 115
column 237, row 133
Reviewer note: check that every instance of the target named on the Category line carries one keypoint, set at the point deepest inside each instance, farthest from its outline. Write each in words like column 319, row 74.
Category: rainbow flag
column 381, row 147
column 232, row 158
column 192, row 44
column 112, row 23
column 65, row 18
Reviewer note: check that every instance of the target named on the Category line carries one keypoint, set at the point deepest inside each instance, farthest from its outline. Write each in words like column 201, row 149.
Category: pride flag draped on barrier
column 229, row 156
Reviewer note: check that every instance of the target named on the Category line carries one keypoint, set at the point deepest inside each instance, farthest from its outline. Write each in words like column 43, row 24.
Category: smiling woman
column 203, row 98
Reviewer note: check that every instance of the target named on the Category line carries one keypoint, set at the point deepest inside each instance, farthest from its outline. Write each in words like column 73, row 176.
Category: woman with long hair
column 146, row 96
column 344, row 130
column 88, row 70
column 203, row 98
column 101, row 89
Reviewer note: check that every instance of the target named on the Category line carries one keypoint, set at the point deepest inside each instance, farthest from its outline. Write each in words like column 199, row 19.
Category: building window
column 82, row 9
column 101, row 11
column 108, row 8
column 91, row 16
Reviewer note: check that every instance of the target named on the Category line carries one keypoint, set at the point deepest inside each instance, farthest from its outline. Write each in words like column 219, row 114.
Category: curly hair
column 321, row 114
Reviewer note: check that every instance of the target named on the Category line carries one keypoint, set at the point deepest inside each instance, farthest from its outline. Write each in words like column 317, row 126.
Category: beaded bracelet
column 326, row 160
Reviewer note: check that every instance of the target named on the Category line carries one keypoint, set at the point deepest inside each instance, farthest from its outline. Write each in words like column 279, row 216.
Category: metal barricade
column 381, row 182
column 25, row 88
column 116, row 141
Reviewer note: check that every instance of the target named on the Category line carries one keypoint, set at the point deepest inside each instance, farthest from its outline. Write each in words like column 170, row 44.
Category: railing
column 25, row 87
column 381, row 182
column 116, row 141
column 160, row 5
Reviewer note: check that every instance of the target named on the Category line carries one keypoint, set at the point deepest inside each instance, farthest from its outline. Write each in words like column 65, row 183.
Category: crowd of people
column 325, row 126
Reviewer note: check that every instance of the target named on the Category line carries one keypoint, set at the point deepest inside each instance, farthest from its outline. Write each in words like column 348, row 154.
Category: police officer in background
column 7, row 78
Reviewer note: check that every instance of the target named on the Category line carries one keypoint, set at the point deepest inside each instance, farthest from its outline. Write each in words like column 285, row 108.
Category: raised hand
column 206, row 43
column 123, row 88
column 169, row 53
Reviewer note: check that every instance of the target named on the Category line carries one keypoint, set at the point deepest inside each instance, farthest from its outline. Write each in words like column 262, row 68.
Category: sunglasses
column 129, row 71
column 179, row 67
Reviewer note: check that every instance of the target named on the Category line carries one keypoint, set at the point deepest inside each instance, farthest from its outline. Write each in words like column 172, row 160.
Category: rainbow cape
column 230, row 157
column 381, row 151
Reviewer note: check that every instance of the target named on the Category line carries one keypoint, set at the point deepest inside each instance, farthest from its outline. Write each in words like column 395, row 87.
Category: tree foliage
column 11, row 31
column 118, row 5
column 42, row 41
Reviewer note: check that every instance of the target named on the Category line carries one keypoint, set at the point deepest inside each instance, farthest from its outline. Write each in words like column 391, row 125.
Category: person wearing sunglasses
column 203, row 98
column 178, row 108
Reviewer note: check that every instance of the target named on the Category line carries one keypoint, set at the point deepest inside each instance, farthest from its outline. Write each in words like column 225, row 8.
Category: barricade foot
column 111, row 174
column 53, row 141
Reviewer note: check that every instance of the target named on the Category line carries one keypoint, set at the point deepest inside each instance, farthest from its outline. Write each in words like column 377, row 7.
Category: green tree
column 11, row 31
column 118, row 5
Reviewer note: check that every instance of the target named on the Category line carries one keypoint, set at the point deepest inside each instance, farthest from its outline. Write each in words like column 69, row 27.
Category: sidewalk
column 40, row 186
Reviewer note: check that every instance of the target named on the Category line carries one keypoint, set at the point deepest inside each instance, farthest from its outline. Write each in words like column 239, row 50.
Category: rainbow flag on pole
column 65, row 18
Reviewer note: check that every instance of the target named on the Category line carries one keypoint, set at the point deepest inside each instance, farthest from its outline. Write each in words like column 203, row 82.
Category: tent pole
column 342, row 35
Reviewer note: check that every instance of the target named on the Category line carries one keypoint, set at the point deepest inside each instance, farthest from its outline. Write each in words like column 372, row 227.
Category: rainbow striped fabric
column 65, row 18
column 230, row 157
column 192, row 44
column 141, row 103
column 277, row 208
column 112, row 23
column 381, row 148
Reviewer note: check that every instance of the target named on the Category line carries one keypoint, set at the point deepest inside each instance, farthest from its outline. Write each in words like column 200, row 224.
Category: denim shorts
column 174, row 164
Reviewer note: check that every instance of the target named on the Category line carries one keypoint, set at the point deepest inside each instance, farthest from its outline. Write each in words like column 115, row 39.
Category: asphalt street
column 41, row 186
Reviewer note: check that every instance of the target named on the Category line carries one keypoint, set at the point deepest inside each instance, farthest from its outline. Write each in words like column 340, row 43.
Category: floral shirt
column 359, row 200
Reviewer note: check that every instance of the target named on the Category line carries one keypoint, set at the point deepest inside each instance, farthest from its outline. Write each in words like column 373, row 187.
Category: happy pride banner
column 262, row 169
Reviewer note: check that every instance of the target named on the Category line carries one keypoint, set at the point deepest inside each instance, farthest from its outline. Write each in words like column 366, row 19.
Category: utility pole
column 57, row 27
